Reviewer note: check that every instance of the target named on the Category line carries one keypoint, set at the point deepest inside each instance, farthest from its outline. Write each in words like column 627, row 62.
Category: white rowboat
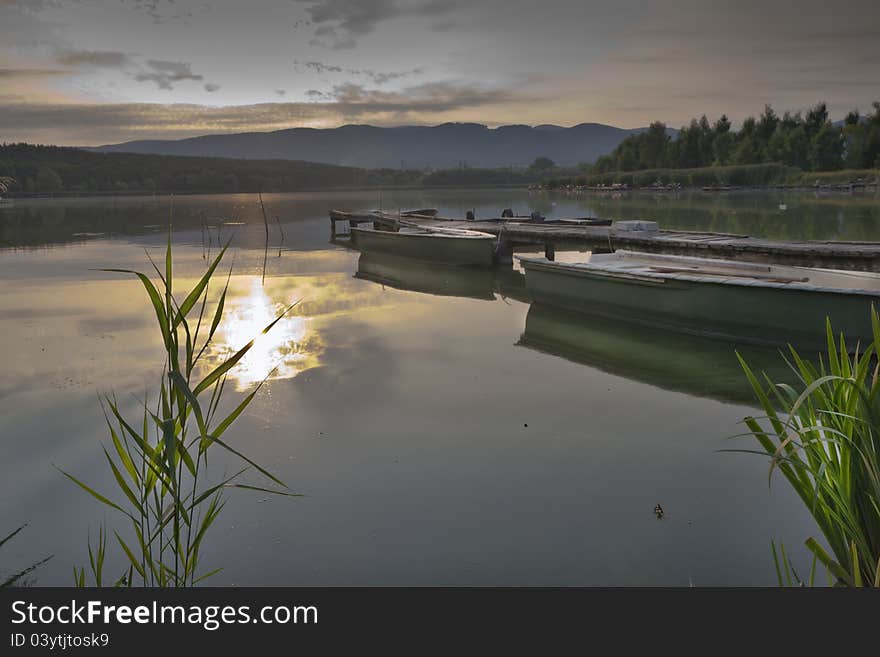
column 742, row 301
column 450, row 246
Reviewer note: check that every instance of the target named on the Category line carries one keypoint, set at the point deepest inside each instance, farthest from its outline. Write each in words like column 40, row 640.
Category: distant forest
column 29, row 169
column 808, row 142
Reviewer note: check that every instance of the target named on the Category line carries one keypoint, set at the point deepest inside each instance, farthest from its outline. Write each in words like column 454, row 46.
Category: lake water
column 443, row 432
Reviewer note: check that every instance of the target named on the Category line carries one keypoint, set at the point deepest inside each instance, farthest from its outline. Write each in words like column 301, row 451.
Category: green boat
column 672, row 361
column 740, row 301
column 448, row 246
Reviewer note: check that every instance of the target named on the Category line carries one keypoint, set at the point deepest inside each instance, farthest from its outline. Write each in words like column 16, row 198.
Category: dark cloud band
column 96, row 124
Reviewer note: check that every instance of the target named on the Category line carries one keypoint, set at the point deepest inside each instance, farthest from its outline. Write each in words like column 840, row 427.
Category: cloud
column 341, row 22
column 163, row 11
column 846, row 35
column 320, row 68
column 31, row 5
column 94, row 58
column 151, row 117
column 31, row 72
column 382, row 78
column 432, row 97
column 345, row 19
column 211, row 88
column 378, row 77
column 108, row 123
column 165, row 74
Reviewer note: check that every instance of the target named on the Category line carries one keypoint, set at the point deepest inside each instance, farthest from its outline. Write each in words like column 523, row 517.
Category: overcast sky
column 103, row 71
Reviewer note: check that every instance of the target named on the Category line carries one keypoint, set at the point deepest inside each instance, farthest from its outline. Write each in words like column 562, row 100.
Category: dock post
column 332, row 227
column 504, row 251
column 550, row 251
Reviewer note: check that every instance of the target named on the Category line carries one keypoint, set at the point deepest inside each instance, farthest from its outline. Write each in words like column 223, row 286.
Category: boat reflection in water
column 673, row 361
column 442, row 280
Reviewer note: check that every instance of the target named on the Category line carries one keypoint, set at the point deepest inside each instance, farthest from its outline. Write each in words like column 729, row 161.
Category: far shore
column 841, row 188
column 198, row 192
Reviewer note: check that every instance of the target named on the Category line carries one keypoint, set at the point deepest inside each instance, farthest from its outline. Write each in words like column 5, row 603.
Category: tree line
column 27, row 168
column 810, row 142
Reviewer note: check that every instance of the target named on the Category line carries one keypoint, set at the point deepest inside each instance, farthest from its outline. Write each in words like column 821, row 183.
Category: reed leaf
column 95, row 493
column 18, row 578
column 823, row 437
column 155, row 299
column 196, row 292
column 134, row 562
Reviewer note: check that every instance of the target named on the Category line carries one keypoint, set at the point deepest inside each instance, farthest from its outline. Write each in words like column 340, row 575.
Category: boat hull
column 447, row 250
column 746, row 314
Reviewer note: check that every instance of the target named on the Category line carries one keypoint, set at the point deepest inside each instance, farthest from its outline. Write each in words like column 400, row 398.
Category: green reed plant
column 160, row 461
column 20, row 577
column 823, row 435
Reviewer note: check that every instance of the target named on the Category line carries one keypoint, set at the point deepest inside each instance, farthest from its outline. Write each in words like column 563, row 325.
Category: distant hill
column 449, row 145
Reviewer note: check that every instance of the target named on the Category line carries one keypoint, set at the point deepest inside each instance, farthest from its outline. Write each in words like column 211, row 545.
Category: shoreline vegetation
column 717, row 178
column 48, row 171
column 789, row 150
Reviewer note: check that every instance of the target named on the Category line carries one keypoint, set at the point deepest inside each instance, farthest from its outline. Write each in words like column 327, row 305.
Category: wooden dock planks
column 834, row 255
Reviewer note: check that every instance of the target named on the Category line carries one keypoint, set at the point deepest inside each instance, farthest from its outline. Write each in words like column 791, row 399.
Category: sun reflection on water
column 285, row 351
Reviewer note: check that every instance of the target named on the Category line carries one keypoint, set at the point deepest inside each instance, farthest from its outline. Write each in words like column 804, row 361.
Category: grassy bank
column 745, row 175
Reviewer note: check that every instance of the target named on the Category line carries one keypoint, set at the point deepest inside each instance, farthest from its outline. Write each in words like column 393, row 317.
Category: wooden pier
column 864, row 256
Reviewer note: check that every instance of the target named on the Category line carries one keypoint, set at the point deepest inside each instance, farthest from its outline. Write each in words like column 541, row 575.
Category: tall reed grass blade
column 245, row 458
column 12, row 535
column 196, row 292
column 95, row 493
column 18, row 578
column 155, row 300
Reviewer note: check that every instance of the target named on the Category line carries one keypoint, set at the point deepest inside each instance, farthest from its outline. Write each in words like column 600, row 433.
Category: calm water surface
column 444, row 432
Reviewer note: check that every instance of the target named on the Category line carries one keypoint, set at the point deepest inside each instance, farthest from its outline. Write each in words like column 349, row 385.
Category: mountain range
column 449, row 145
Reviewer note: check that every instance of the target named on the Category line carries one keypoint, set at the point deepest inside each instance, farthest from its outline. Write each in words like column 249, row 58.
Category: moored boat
column 449, row 246
column 741, row 301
